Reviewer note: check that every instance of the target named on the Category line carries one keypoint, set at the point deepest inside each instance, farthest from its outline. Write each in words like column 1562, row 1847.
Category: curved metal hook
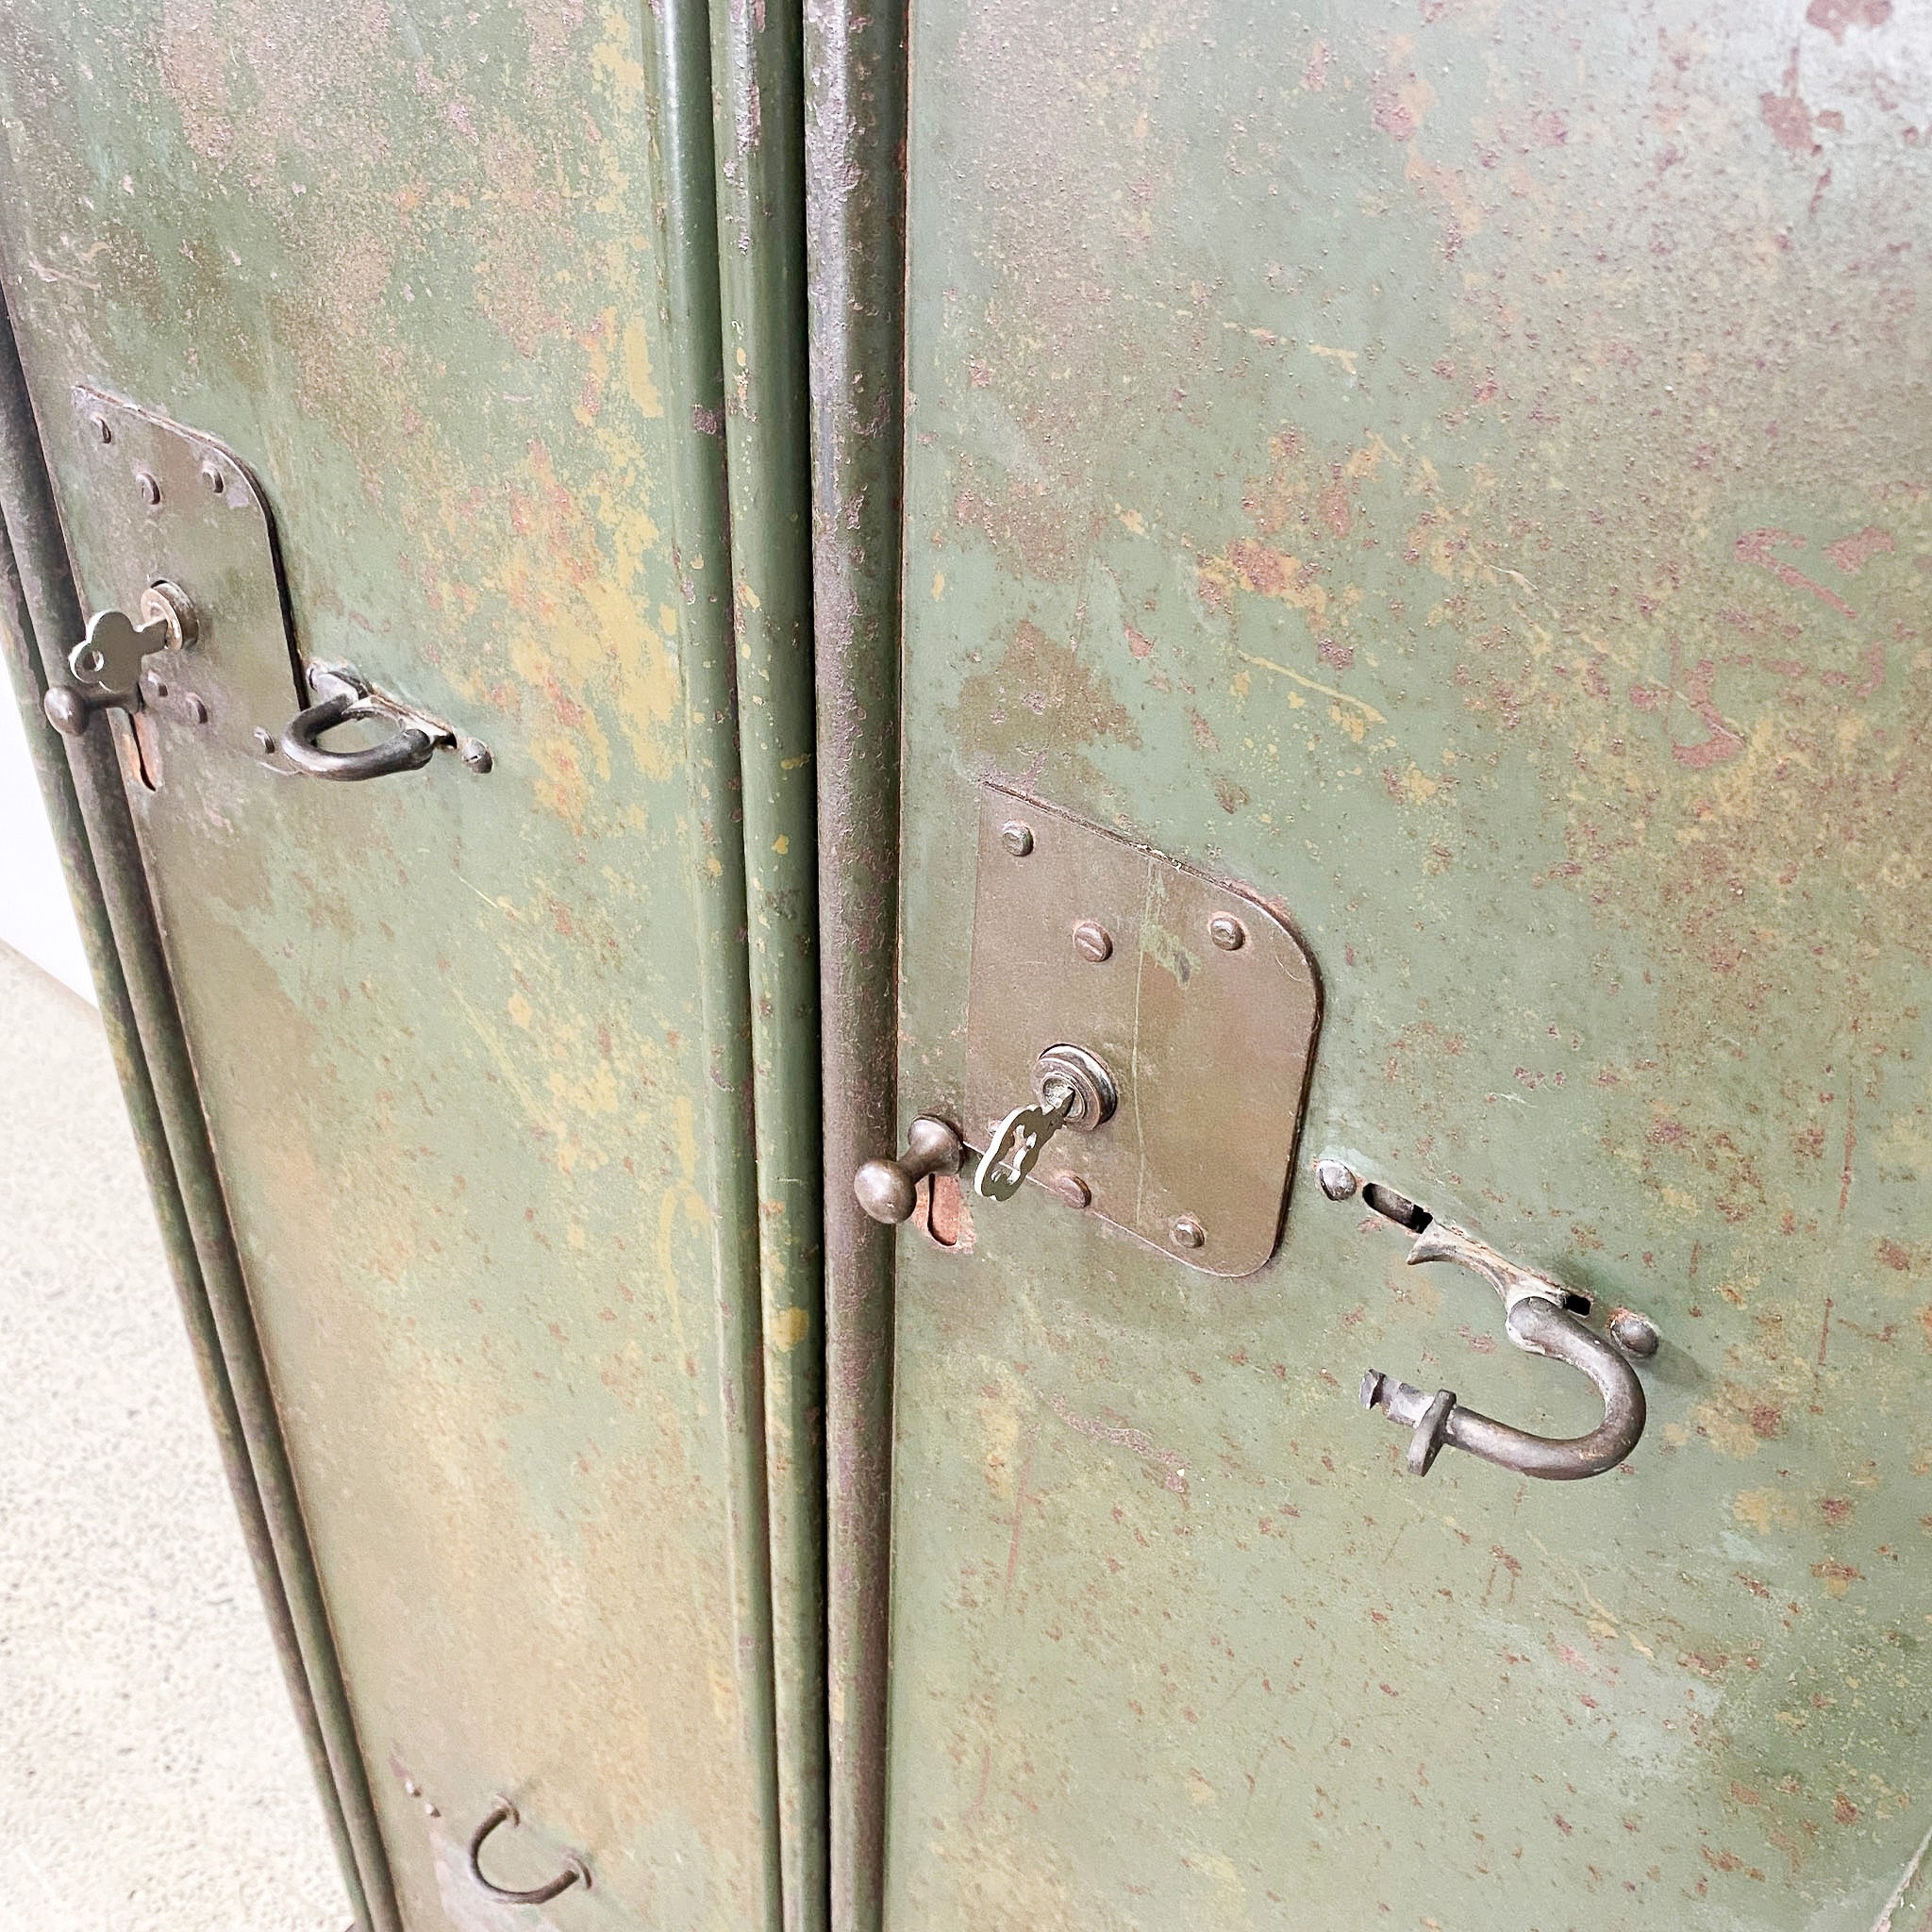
column 406, row 750
column 575, row 1872
column 1541, row 1318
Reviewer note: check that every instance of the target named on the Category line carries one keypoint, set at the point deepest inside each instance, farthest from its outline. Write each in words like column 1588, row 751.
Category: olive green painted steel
column 757, row 83
column 1464, row 471
column 87, row 811
column 855, row 199
column 474, row 1053
column 691, row 328
column 24, row 667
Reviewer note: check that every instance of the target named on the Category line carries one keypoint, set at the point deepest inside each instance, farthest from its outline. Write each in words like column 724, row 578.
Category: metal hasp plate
column 1199, row 997
column 170, row 505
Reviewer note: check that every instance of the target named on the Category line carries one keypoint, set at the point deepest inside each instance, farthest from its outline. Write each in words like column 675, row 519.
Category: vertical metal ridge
column 678, row 50
column 854, row 92
column 38, row 602
column 758, row 81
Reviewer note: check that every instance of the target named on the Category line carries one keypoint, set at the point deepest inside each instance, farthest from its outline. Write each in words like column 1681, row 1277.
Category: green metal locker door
column 371, row 358
column 1444, row 489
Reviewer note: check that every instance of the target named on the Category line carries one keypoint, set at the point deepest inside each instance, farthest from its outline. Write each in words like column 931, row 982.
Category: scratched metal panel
column 452, row 1033
column 1464, row 470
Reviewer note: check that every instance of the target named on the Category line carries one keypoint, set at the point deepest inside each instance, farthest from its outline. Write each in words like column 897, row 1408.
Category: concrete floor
column 151, row 1776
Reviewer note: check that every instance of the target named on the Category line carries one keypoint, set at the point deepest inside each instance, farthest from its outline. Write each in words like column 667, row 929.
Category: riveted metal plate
column 168, row 504
column 1209, row 1043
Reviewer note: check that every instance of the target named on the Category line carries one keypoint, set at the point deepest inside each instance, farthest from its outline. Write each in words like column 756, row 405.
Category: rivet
column 1072, row 1190
column 1337, row 1179
column 1092, row 941
column 1635, row 1332
column 264, row 742
column 1017, row 837
column 412, row 1787
column 150, row 487
column 1227, row 932
column 103, row 428
column 196, row 708
column 475, row 754
column 1184, row 1231
column 212, row 477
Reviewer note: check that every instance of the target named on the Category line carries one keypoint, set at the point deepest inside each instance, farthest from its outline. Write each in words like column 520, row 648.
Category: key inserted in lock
column 1072, row 1088
column 1195, row 991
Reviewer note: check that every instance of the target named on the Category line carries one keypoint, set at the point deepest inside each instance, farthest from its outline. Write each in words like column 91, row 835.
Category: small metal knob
column 888, row 1189
column 69, row 708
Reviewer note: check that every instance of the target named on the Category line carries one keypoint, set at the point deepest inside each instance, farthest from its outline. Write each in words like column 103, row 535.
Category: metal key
column 1015, row 1148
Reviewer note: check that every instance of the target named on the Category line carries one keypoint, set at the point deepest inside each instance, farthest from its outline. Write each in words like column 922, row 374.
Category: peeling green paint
column 1461, row 472
column 474, row 1053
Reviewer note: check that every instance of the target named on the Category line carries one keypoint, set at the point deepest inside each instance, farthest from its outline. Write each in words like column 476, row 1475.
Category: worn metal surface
column 87, row 809
column 1463, row 470
column 757, row 57
column 887, row 1189
column 450, row 280
column 854, row 68
column 215, row 546
column 1210, row 1043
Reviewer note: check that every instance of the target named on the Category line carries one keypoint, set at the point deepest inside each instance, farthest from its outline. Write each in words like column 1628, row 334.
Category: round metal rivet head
column 1336, row 1179
column 1017, row 837
column 211, row 476
column 1092, row 941
column 103, row 428
column 264, row 742
column 195, row 707
column 475, row 754
column 150, row 487
column 1227, row 932
column 1635, row 1332
column 1184, row 1231
column 1072, row 1190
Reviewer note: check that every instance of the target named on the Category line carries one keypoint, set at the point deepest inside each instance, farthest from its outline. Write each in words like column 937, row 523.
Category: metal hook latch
column 1541, row 1317
column 341, row 693
column 575, row 1870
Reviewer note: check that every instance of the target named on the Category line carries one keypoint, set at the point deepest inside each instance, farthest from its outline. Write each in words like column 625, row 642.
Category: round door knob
column 888, row 1189
column 70, row 710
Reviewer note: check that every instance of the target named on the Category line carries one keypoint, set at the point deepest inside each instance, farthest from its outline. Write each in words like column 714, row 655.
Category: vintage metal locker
column 372, row 360
column 1371, row 808
column 1458, row 475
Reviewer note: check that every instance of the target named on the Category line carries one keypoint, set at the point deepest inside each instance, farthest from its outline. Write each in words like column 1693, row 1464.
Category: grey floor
column 151, row 1778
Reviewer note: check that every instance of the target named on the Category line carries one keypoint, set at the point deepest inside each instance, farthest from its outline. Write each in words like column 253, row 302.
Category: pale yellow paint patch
column 638, row 378
column 788, row 1328
column 1763, row 1510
